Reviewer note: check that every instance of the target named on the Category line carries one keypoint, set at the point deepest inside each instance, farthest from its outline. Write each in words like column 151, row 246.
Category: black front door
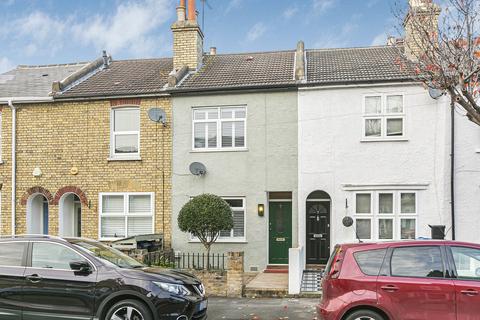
column 318, row 232
column 52, row 290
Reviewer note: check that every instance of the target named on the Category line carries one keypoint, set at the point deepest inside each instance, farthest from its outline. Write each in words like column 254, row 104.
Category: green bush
column 204, row 217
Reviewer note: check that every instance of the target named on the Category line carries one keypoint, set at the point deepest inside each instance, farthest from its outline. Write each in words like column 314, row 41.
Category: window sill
column 402, row 139
column 136, row 158
column 240, row 241
column 219, row 150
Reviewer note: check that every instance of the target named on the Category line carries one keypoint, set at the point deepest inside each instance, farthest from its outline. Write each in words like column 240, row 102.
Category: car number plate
column 203, row 305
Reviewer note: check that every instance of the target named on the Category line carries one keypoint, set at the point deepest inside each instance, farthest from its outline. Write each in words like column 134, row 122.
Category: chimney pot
column 391, row 41
column 192, row 11
column 213, row 51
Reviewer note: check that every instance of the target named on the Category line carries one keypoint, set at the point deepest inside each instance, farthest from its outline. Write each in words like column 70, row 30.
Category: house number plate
column 280, row 239
column 318, row 235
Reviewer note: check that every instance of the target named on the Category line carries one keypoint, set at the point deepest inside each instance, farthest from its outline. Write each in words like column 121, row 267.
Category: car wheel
column 364, row 315
column 128, row 310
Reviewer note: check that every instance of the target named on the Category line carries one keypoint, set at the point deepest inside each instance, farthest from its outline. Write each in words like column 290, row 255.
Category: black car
column 44, row 278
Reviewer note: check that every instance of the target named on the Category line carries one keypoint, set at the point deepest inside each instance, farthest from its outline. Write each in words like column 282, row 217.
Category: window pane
column 385, row 229
column 139, row 225
column 363, row 203
column 425, row 262
column 370, row 262
column 235, row 203
column 212, row 134
column 126, row 120
column 112, row 204
column 385, row 203
column 113, row 227
column 199, row 135
column 53, row 256
column 467, row 262
column 126, row 143
column 394, row 104
column 364, row 228
column 199, row 115
column 240, row 113
column 239, row 134
column 407, row 203
column 140, row 204
column 11, row 254
column 226, row 233
column 373, row 127
column 238, row 223
column 227, row 139
column 407, row 229
column 373, row 105
column 212, row 114
column 227, row 113
column 394, row 127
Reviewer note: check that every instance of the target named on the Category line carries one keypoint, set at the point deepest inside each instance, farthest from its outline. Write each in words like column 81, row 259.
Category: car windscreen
column 107, row 254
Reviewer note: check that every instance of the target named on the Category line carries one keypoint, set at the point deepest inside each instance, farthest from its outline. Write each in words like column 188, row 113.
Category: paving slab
column 262, row 309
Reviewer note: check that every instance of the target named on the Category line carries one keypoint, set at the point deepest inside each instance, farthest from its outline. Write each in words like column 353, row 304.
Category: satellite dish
column 435, row 93
column 198, row 169
column 158, row 115
column 347, row 221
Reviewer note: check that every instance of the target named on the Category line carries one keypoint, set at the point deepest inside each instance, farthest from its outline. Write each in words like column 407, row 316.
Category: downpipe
column 14, row 163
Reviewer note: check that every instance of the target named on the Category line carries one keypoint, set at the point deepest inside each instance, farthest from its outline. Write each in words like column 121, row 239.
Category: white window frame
column 376, row 216
column 113, row 134
column 383, row 117
column 231, row 239
column 219, row 122
column 125, row 213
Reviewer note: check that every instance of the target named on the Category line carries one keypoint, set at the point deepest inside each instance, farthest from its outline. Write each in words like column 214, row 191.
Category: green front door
column 280, row 235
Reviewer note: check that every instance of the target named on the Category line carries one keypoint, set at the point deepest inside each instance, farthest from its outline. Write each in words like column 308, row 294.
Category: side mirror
column 80, row 267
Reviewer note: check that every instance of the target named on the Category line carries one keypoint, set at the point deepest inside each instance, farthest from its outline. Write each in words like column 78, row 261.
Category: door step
column 276, row 269
column 315, row 267
column 311, row 282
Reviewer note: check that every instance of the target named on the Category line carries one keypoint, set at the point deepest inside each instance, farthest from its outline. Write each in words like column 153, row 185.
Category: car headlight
column 177, row 289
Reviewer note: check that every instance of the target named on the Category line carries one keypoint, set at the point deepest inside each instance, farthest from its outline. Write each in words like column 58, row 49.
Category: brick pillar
column 235, row 274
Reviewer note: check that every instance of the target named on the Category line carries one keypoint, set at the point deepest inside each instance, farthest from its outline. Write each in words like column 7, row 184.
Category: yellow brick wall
column 59, row 136
column 187, row 45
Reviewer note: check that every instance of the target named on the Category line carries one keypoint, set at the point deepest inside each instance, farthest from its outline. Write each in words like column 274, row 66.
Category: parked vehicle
column 402, row 281
column 44, row 277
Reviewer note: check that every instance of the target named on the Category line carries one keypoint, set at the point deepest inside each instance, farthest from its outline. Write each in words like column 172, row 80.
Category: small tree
column 204, row 217
column 442, row 44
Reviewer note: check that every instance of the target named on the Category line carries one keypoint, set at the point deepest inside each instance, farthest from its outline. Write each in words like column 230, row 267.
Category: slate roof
column 34, row 81
column 124, row 77
column 261, row 69
column 370, row 64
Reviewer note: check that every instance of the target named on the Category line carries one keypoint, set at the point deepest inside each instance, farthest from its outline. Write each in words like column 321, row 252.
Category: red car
column 437, row 280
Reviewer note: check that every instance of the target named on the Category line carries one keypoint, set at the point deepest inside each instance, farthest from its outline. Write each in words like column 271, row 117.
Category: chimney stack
column 213, row 51
column 300, row 62
column 421, row 27
column 187, row 38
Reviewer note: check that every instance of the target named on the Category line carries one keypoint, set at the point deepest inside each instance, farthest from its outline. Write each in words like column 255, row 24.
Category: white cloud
column 290, row 12
column 321, row 6
column 257, row 31
column 380, row 39
column 130, row 27
column 233, row 4
column 5, row 64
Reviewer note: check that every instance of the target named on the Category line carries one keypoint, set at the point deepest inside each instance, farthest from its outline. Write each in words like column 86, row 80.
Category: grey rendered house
column 237, row 115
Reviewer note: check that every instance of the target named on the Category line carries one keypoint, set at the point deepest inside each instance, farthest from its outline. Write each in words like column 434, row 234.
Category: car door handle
column 34, row 278
column 389, row 288
column 469, row 292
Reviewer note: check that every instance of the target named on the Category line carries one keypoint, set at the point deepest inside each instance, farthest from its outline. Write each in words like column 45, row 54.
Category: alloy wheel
column 127, row 313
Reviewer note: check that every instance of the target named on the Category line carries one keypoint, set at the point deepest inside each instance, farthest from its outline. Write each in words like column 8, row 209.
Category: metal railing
column 197, row 261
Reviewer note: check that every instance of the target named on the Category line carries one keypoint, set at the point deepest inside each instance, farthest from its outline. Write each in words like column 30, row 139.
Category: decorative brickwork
column 125, row 102
column 36, row 190
column 70, row 189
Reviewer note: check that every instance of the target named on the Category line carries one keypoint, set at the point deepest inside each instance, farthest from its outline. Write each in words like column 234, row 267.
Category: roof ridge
column 143, row 59
column 352, row 48
column 254, row 52
column 39, row 66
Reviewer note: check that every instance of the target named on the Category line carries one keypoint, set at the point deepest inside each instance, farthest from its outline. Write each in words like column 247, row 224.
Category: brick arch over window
column 36, row 190
column 70, row 189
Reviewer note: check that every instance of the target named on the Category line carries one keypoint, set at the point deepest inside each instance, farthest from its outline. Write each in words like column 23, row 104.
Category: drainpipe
column 452, row 167
column 14, row 162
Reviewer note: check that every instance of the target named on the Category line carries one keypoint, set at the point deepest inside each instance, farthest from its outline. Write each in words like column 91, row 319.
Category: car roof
column 385, row 244
column 31, row 237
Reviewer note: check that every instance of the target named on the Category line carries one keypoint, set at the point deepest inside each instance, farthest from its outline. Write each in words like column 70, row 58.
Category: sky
column 34, row 32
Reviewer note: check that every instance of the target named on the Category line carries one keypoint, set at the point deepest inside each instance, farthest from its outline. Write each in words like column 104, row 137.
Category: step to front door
column 276, row 268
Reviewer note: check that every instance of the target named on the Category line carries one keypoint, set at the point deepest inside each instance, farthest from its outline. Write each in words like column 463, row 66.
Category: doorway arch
column 37, row 214
column 318, row 212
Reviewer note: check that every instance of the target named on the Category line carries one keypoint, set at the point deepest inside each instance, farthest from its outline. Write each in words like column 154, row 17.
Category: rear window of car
column 328, row 267
column 417, row 262
column 11, row 254
column 370, row 261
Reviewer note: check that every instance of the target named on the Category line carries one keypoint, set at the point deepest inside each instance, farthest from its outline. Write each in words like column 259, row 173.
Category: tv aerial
column 198, row 169
column 158, row 115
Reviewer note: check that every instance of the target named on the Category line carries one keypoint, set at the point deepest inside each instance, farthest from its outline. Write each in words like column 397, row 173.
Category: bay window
column 386, row 215
column 126, row 214
column 219, row 128
column 383, row 117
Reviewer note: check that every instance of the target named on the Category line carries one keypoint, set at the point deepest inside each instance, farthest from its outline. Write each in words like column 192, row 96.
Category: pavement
column 261, row 309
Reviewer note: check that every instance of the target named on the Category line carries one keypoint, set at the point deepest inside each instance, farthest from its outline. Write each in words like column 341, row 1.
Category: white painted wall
column 35, row 214
column 332, row 154
column 67, row 216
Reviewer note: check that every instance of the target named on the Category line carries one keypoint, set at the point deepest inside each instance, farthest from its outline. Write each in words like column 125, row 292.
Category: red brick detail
column 36, row 190
column 70, row 189
column 125, row 102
